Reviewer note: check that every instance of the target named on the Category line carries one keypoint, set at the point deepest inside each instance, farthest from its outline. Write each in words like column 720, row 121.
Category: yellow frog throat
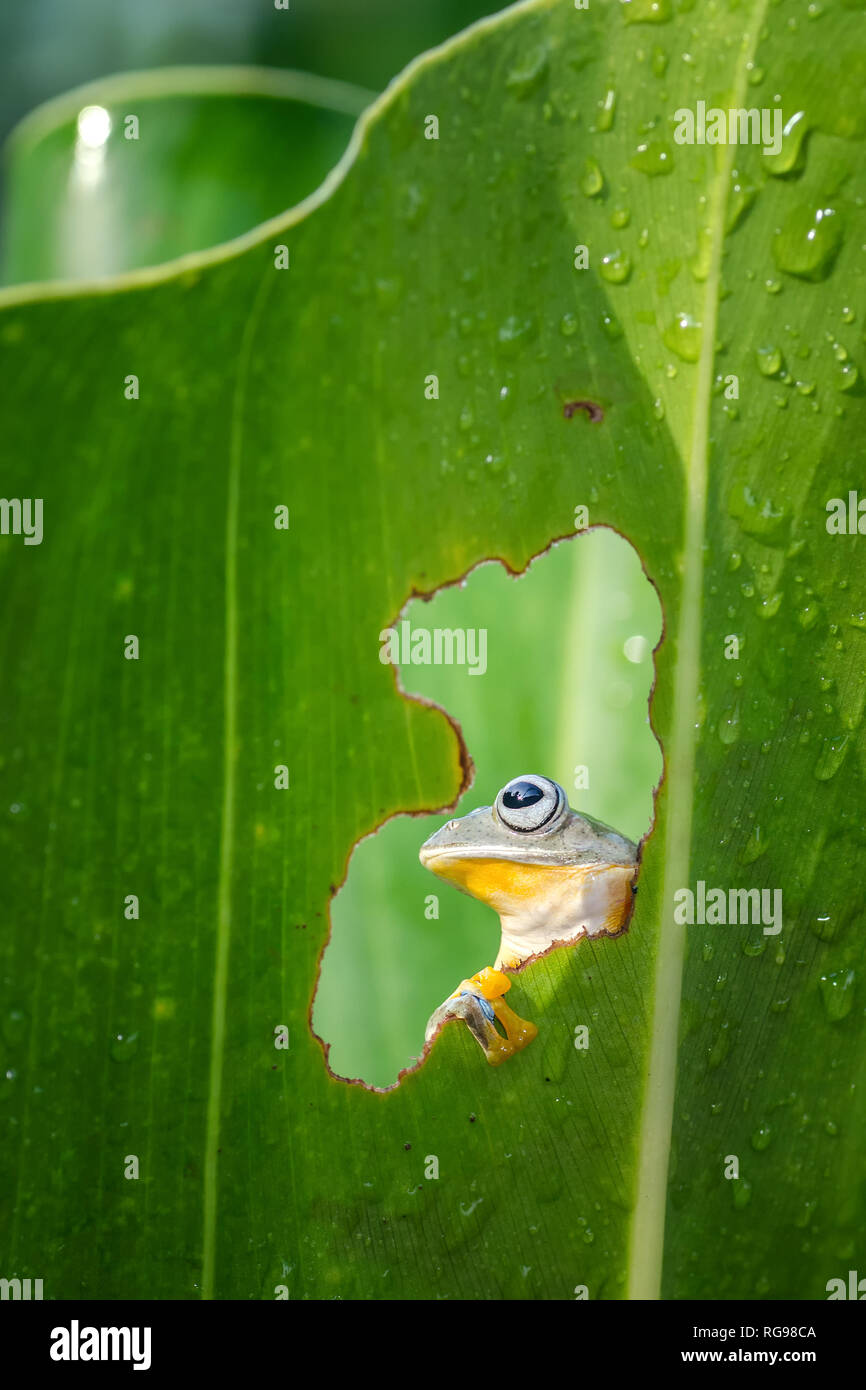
column 552, row 875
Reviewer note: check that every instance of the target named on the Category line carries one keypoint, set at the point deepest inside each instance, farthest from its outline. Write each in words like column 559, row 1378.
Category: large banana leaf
column 565, row 1169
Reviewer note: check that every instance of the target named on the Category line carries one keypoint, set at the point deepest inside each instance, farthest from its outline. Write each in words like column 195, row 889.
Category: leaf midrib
column 656, row 1128
column 227, row 829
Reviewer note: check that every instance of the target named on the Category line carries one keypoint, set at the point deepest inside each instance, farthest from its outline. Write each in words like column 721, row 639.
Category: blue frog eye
column 527, row 803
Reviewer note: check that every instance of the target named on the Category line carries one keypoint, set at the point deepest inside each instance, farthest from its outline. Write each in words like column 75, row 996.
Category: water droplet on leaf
column 729, row 724
column 523, row 79
column 755, row 846
column 701, row 261
column 794, row 133
column 684, row 337
column 761, row 1138
column 659, row 61
column 758, row 516
column 646, row 11
column 615, row 267
column 807, row 243
column 837, row 992
column 720, row 1048
column 832, row 757
column 606, row 110
column 592, row 178
column 515, row 333
column 123, row 1047
column 653, row 157
column 414, row 204
column 769, row 360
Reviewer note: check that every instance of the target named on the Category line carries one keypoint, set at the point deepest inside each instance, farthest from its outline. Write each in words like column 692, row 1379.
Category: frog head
column 552, row 874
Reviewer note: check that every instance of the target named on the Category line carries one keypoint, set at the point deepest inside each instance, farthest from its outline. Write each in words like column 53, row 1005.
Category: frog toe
column 473, row 1009
column 479, row 1003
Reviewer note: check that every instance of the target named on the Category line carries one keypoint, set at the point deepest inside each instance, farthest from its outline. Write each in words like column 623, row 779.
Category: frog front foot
column 479, row 1003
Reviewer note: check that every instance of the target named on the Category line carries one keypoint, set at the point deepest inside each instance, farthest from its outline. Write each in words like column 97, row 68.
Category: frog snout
column 435, row 844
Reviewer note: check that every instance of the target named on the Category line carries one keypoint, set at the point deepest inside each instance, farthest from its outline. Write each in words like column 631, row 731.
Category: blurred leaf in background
column 50, row 46
column 108, row 210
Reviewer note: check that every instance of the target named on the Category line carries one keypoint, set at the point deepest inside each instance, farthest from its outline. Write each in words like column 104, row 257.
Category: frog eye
column 529, row 802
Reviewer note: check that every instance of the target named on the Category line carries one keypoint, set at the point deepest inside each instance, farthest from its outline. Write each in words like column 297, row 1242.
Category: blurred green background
column 50, row 46
column 569, row 644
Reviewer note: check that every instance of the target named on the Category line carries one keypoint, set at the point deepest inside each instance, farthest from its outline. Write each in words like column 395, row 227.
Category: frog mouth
column 442, row 858
column 498, row 878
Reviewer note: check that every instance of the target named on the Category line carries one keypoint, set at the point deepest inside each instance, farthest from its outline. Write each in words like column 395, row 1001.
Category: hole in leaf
column 565, row 693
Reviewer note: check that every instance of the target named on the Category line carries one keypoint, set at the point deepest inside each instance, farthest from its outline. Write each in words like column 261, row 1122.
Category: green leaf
column 258, row 647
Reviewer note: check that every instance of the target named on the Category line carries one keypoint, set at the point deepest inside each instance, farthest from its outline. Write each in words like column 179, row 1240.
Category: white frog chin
column 566, row 915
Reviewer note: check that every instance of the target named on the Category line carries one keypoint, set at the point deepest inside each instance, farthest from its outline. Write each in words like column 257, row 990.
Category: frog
column 554, row 876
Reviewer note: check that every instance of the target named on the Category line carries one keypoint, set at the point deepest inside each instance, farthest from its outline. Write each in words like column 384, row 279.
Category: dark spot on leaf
column 407, row 1146
column 472, row 1119
column 594, row 412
